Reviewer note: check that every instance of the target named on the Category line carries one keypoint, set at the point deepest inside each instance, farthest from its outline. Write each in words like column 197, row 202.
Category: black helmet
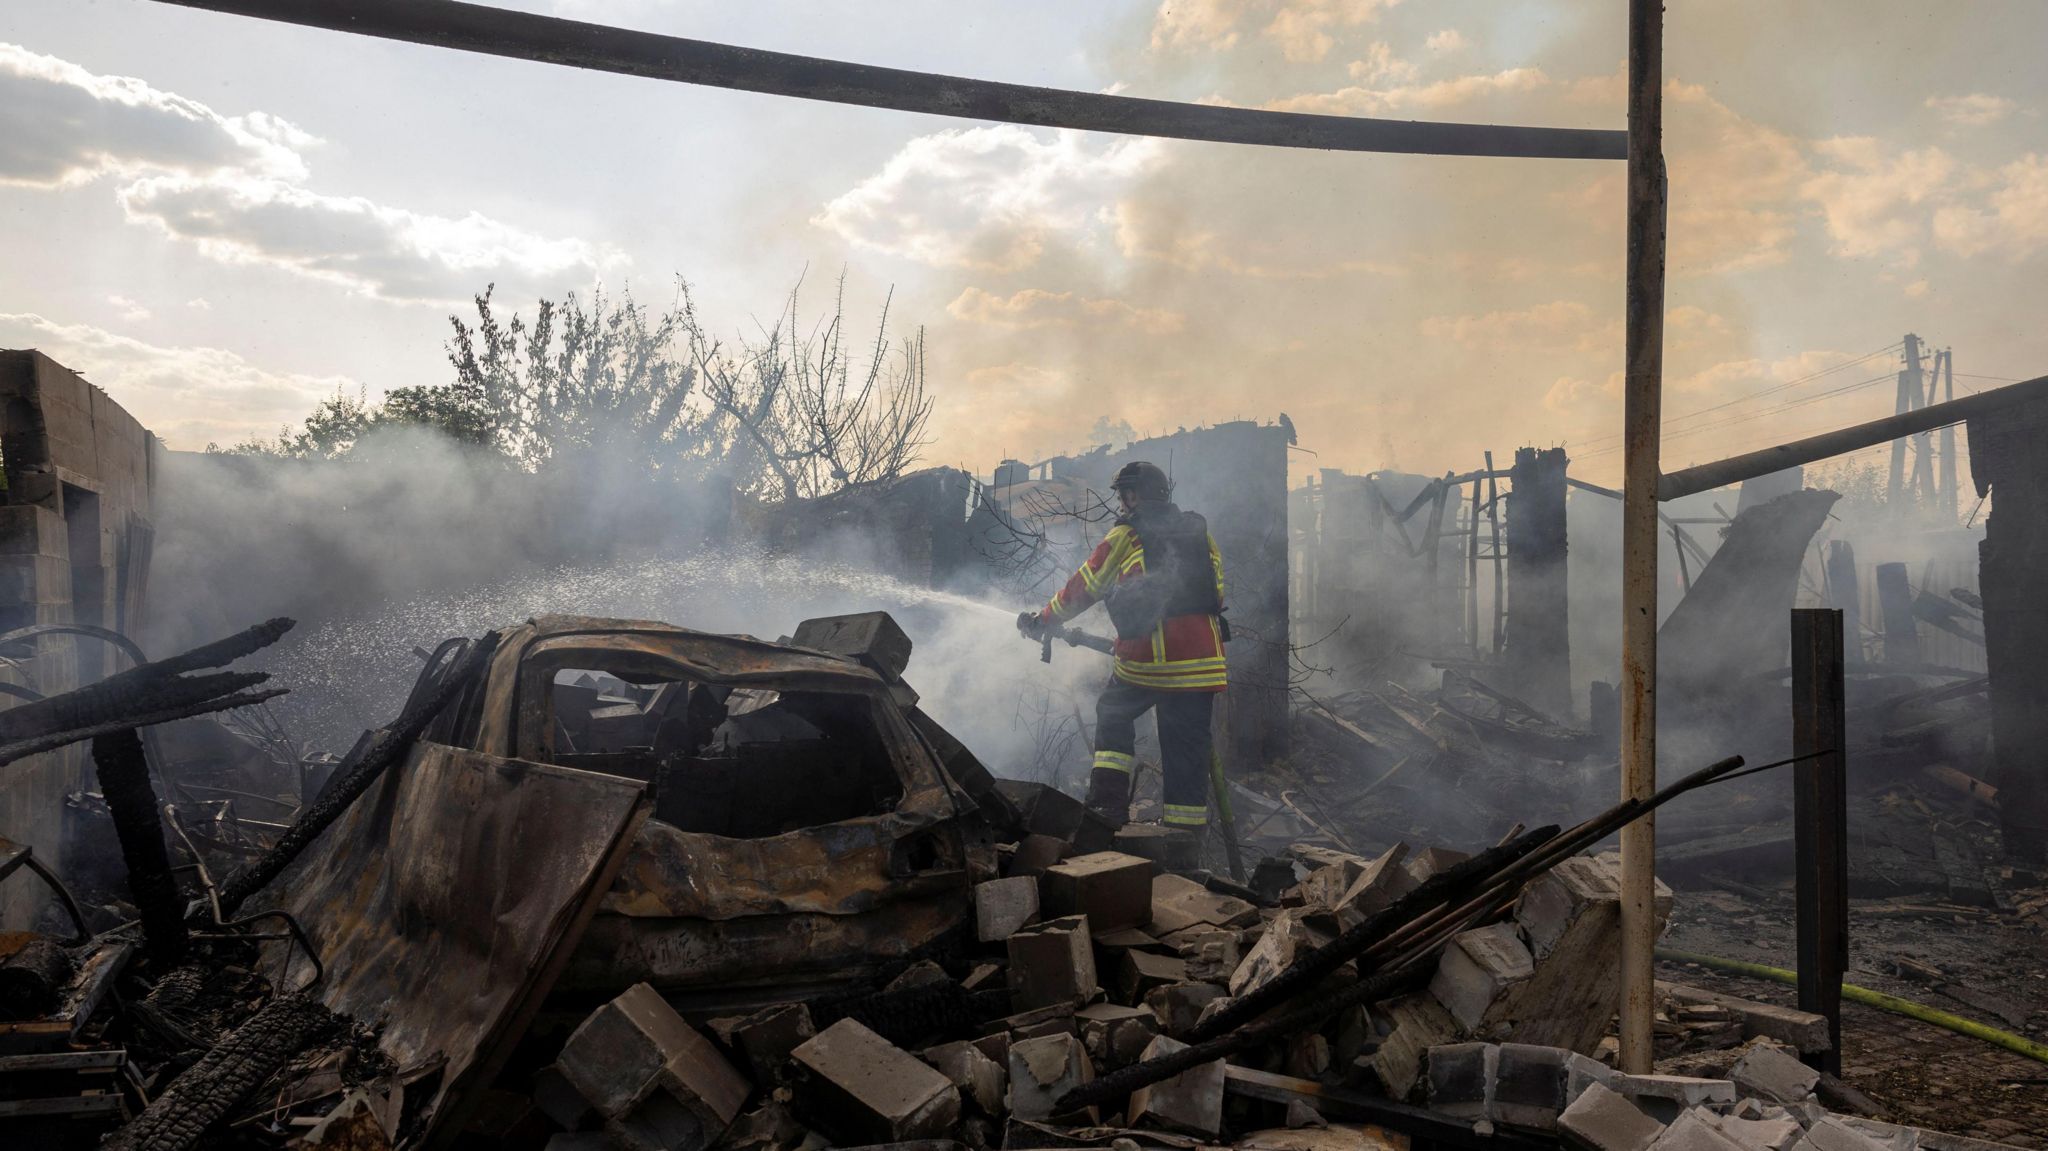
column 1143, row 480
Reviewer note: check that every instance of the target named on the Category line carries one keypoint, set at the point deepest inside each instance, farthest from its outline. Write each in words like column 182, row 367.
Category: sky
column 222, row 221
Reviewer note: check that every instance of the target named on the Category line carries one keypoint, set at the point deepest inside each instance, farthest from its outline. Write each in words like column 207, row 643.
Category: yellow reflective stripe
column 1186, row 815
column 1218, row 680
column 1114, row 761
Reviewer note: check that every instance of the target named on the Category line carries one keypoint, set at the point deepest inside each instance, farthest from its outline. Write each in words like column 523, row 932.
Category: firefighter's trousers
column 1185, row 747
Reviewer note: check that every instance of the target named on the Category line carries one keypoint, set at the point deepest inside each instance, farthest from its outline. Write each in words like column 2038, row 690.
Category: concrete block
column 34, row 579
column 769, row 1127
column 1532, row 1085
column 1603, row 1120
column 1179, row 903
column 1759, row 1133
column 1115, row 1035
column 1213, row 956
column 873, row 638
column 765, row 1038
column 1286, row 939
column 1042, row 1070
column 1051, row 964
column 1690, row 1132
column 1141, row 971
column 980, row 1080
column 636, row 1048
column 1035, row 853
column 1432, row 861
column 1190, row 1102
column 1477, row 970
column 1376, row 886
column 1172, row 848
column 1832, row 1133
column 1461, row 1078
column 1891, row 1136
column 1555, row 900
column 26, row 529
column 983, row 977
column 1666, row 1096
column 1179, row 1006
column 995, row 1045
column 1771, row 1074
column 1002, row 907
column 1418, row 1022
column 1045, row 810
column 857, row 1087
column 1112, row 889
column 1580, row 1071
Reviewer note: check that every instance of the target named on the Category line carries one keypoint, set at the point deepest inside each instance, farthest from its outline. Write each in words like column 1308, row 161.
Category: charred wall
column 2007, row 463
column 76, row 537
column 1538, row 634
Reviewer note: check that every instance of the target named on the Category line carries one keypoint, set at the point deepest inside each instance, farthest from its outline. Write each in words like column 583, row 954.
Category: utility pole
column 1642, row 415
column 1946, row 366
column 1908, row 399
column 1923, row 444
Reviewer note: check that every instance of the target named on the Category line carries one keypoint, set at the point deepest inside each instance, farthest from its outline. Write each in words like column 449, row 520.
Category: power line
column 1747, row 417
column 1753, row 397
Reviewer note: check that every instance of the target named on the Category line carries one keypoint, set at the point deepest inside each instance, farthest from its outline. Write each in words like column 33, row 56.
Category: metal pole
column 1642, row 413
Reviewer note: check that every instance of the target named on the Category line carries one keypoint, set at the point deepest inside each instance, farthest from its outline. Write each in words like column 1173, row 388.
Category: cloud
column 129, row 309
column 188, row 395
column 1973, row 110
column 355, row 243
column 1302, row 29
column 1361, row 100
column 986, row 198
column 1037, row 308
column 1446, row 42
column 1560, row 325
column 61, row 125
column 1379, row 65
column 1145, row 233
column 199, row 304
column 1872, row 196
column 236, row 187
column 2014, row 215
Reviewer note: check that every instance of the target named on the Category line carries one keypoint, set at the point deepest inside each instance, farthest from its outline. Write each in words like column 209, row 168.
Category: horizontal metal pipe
column 1750, row 465
column 549, row 40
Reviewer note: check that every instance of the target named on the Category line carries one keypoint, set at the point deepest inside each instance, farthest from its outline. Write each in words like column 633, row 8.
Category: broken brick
column 1602, row 1120
column 1461, row 1079
column 1768, row 1072
column 765, row 1038
column 1190, row 1102
column 1043, row 1070
column 638, row 1064
column 1141, row 971
column 1179, row 903
column 1476, row 971
column 1002, row 907
column 858, row 1087
column 1115, row 1035
column 1112, row 889
column 1053, row 963
column 1286, row 939
column 1179, row 1006
column 979, row 1079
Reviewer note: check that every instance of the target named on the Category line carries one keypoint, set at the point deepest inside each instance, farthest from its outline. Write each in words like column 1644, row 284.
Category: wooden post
column 1846, row 592
column 1895, row 602
column 1642, row 405
column 1820, row 817
column 1684, row 570
column 1950, row 508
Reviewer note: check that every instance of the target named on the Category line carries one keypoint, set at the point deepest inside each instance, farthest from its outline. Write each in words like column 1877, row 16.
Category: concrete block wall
column 66, row 446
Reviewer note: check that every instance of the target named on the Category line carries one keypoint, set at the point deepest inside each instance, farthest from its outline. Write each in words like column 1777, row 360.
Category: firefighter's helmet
column 1143, row 480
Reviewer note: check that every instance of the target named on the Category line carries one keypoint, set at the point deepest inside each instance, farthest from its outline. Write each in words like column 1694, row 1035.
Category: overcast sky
column 221, row 220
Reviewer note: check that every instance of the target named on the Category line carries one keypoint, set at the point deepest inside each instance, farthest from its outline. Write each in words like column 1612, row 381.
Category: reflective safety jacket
column 1182, row 653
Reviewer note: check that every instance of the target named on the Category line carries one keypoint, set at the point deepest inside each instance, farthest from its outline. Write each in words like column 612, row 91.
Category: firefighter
column 1161, row 578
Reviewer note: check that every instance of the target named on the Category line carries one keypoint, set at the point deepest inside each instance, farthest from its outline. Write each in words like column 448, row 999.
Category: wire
column 1747, row 417
column 1773, row 390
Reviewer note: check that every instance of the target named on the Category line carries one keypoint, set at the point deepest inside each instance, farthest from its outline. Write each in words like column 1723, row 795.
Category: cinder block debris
column 1172, row 848
column 1418, row 1023
column 1052, row 963
column 857, row 1087
column 1179, row 1006
column 1531, row 1085
column 1603, row 1120
column 1461, row 1079
column 1042, row 1070
column 1213, row 956
column 1477, row 971
column 1802, row 1031
column 1115, row 1035
column 1002, row 907
column 652, row 1078
column 1112, row 889
column 1190, row 1102
column 765, row 1038
column 1666, row 1096
column 1376, row 886
column 1035, row 853
column 1431, row 861
column 1286, row 939
column 1142, row 971
column 1691, row 1132
column 1775, row 1130
column 1179, row 903
column 1771, row 1074
column 980, row 1080
column 1833, row 1133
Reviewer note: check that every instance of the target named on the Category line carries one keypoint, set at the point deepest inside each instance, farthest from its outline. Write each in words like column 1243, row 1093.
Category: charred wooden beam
column 1821, row 819
column 224, row 1076
column 32, row 980
column 138, row 823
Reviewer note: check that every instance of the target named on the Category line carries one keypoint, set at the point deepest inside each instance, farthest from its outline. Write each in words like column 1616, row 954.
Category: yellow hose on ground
column 2017, row 1044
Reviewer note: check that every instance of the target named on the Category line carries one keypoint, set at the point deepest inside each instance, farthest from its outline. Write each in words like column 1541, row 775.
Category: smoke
column 418, row 539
